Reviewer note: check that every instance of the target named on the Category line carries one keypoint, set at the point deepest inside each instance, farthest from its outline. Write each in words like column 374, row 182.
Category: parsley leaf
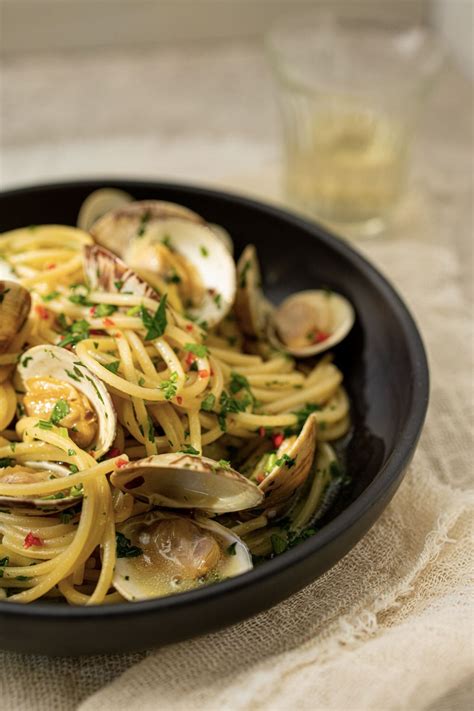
column 189, row 450
column 77, row 331
column 125, row 549
column 169, row 386
column 49, row 297
column 105, row 310
column 156, row 324
column 113, row 367
column 208, row 403
column 60, row 410
column 198, row 349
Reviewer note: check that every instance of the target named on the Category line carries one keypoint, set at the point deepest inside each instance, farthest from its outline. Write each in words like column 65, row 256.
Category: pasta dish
column 163, row 426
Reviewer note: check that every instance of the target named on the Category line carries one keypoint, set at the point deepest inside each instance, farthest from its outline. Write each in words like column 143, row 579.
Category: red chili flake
column 203, row 373
column 261, row 431
column 320, row 336
column 114, row 452
column 260, row 477
column 179, row 399
column 108, row 322
column 96, row 332
column 122, row 463
column 92, row 310
column 50, row 266
column 42, row 311
column 189, row 327
column 190, row 358
column 31, row 540
column 277, row 439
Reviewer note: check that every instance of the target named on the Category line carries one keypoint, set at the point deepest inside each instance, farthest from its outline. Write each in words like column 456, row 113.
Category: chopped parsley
column 305, row 412
column 118, row 284
column 145, row 218
column 7, row 462
column 60, row 410
column 197, row 348
column 44, row 425
column 204, row 251
column 66, row 516
column 26, row 360
column 243, row 274
column 208, row 403
column 113, row 367
column 230, row 404
column 105, row 310
column 170, row 387
column 156, row 324
column 286, row 460
column 77, row 331
column 224, row 464
column 3, row 561
column 230, row 550
column 189, row 450
column 125, row 549
column 49, row 297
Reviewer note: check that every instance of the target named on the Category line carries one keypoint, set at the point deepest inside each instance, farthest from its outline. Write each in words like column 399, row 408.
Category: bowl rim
column 384, row 479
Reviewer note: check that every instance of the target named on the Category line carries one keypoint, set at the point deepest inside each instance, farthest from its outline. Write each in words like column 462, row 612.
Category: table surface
column 208, row 115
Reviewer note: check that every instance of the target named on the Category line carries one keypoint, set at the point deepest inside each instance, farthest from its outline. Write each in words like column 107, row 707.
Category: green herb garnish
column 125, row 549
column 156, row 324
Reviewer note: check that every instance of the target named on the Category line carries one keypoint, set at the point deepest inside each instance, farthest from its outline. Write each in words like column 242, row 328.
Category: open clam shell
column 251, row 308
column 106, row 272
column 98, row 203
column 168, row 244
column 292, row 464
column 118, row 227
column 15, row 305
column 30, row 472
column 161, row 553
column 186, row 481
column 310, row 322
column 51, row 373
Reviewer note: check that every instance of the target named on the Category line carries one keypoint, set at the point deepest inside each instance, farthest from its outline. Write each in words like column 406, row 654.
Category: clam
column 118, row 227
column 173, row 248
column 161, row 553
column 281, row 473
column 106, row 272
column 52, row 375
column 98, row 203
column 31, row 472
column 251, row 308
column 310, row 322
column 185, row 481
column 15, row 304
column 304, row 324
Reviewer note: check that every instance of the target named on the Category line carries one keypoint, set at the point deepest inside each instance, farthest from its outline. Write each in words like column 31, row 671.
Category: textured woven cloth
column 389, row 627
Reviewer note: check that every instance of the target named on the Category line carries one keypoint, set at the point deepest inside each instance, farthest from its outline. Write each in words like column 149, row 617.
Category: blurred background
column 184, row 90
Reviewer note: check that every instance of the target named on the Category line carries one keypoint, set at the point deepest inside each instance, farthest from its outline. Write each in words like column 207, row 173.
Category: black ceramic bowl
column 385, row 372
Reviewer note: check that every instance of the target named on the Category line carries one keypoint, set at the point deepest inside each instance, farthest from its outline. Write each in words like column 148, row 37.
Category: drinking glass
column 350, row 92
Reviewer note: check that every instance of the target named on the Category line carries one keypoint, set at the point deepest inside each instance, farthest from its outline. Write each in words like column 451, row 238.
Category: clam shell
column 282, row 482
column 98, row 203
column 41, row 505
column 251, row 308
column 15, row 305
column 104, row 270
column 306, row 315
column 186, row 481
column 61, row 364
column 145, row 576
column 133, row 231
column 118, row 227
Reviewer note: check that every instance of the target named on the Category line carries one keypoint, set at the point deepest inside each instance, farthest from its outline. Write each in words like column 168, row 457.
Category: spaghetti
column 171, row 384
